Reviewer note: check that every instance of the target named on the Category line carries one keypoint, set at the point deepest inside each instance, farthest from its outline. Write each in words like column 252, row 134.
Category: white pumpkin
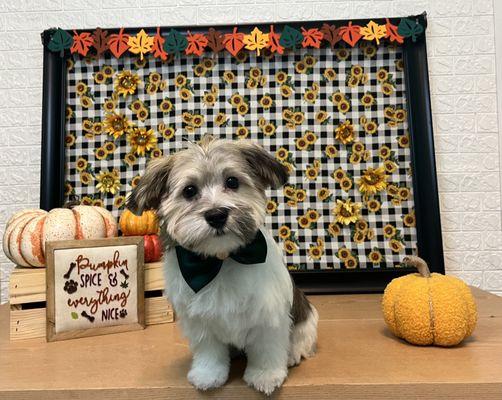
column 27, row 231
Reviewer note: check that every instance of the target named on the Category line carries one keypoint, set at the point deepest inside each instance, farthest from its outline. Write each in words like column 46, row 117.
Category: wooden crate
column 27, row 301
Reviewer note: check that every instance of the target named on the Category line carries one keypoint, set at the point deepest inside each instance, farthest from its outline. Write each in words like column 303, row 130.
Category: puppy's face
column 210, row 198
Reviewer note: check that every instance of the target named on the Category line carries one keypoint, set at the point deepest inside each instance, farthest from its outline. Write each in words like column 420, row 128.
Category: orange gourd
column 134, row 225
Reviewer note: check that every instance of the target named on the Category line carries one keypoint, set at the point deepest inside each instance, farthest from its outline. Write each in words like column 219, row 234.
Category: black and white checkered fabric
column 284, row 137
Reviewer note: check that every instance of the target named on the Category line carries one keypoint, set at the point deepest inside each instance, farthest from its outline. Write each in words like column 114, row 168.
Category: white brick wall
column 461, row 46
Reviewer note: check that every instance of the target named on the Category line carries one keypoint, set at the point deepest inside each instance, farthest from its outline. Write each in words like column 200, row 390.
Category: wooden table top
column 357, row 358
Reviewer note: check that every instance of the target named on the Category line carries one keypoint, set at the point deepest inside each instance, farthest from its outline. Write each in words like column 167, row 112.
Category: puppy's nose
column 216, row 217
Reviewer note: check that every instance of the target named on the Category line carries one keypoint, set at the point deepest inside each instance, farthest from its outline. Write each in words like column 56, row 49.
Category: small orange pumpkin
column 134, row 225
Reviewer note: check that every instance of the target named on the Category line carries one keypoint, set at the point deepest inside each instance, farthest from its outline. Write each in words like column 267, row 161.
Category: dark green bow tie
column 198, row 271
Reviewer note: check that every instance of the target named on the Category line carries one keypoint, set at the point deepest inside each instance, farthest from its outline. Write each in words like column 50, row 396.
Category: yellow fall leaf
column 256, row 40
column 140, row 44
column 373, row 31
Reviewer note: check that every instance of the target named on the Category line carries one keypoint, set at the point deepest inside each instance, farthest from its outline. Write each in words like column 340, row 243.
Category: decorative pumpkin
column 424, row 308
column 28, row 230
column 134, row 225
column 153, row 248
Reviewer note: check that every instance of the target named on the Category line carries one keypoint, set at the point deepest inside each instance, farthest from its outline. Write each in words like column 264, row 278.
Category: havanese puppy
column 225, row 274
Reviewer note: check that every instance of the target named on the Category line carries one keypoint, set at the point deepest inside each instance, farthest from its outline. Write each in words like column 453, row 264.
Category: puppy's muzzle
column 217, row 217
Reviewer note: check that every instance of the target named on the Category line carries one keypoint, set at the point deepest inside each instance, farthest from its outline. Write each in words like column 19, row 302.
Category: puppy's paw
column 208, row 377
column 265, row 380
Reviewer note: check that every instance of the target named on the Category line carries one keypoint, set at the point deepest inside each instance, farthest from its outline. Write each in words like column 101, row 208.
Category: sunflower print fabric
column 336, row 119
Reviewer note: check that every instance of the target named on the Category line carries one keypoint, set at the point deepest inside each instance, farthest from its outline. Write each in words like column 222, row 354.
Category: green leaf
column 175, row 42
column 74, row 315
column 290, row 37
column 410, row 28
column 60, row 41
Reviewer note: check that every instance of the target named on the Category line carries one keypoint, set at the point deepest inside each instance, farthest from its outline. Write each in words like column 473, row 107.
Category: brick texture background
column 461, row 46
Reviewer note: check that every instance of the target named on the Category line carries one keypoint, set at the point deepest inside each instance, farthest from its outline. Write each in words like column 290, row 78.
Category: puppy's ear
column 151, row 187
column 270, row 171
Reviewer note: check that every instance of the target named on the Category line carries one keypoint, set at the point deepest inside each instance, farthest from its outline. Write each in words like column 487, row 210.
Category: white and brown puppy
column 225, row 275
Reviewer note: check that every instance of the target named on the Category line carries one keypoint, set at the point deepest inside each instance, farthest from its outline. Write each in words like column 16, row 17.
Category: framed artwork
column 94, row 287
column 344, row 105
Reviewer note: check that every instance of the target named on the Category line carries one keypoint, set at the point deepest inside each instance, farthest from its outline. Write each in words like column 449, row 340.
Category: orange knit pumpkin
column 134, row 225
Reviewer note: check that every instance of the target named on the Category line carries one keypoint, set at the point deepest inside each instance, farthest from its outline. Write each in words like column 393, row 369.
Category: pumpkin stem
column 72, row 202
column 419, row 264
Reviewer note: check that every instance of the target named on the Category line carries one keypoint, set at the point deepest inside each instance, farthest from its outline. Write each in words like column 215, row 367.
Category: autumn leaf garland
column 176, row 42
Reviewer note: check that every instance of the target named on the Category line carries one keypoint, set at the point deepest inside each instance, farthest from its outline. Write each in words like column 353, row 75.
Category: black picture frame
column 428, row 225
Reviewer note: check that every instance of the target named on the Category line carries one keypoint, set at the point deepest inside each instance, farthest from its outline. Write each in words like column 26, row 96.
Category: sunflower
column 185, row 94
column 304, row 222
column 392, row 190
column 289, row 191
column 311, row 173
column 271, row 207
column 220, row 119
column 130, row 159
column 382, row 75
column 370, row 51
column 400, row 115
column 310, row 137
column 290, row 247
column 241, row 56
column 242, row 132
column 343, row 106
column 396, row 202
column 353, row 81
column 309, row 60
column 356, row 70
column 384, row 152
column 330, row 151
column 298, row 117
column 334, row 229
column 69, row 140
column 375, row 257
column 409, row 219
column 81, row 164
column 151, row 88
column 209, row 99
column 228, row 77
column 315, row 252
column 126, row 83
column 361, row 225
column 355, row 158
column 99, row 77
column 387, row 88
column 367, row 100
column 168, row 133
column 373, row 180
column 69, row 64
column 403, row 141
column 109, row 105
column 140, row 63
column 141, row 140
column 390, row 166
column 364, row 79
column 337, row 97
column 358, row 147
column 284, row 232
column 404, row 193
column 323, row 193
column 321, row 116
column 85, row 178
column 370, row 127
column 389, row 112
column 329, row 74
column 300, row 195
column 251, row 83
column 119, row 201
column 282, row 154
column 81, row 88
column 310, row 96
column 346, row 184
column 100, row 153
column 389, row 231
column 266, row 102
column 85, row 101
column 135, row 181
column 197, row 120
column 108, row 181
column 142, row 114
column 208, row 63
column 156, row 153
column 166, row 106
column 281, row 77
column 86, row 201
column 359, row 236
column 117, row 124
column 312, row 215
column 286, row 91
column 395, row 245
column 347, row 212
column 300, row 67
column 342, row 54
column 338, row 174
column 68, row 112
column 108, row 71
column 243, row 109
column 109, row 147
column 350, row 263
column 180, row 80
column 370, row 234
column 373, row 205
column 343, row 253
column 345, row 132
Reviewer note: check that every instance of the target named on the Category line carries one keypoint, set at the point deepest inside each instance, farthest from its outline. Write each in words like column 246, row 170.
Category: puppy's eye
column 190, row 191
column 232, row 183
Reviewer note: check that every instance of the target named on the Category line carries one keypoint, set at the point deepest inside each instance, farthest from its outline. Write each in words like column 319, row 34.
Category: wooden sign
column 94, row 287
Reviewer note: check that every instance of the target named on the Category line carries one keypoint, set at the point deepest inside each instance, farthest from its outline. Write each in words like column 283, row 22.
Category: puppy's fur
column 256, row 309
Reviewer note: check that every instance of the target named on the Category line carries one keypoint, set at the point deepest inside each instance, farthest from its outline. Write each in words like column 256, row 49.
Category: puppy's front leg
column 267, row 356
column 210, row 364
